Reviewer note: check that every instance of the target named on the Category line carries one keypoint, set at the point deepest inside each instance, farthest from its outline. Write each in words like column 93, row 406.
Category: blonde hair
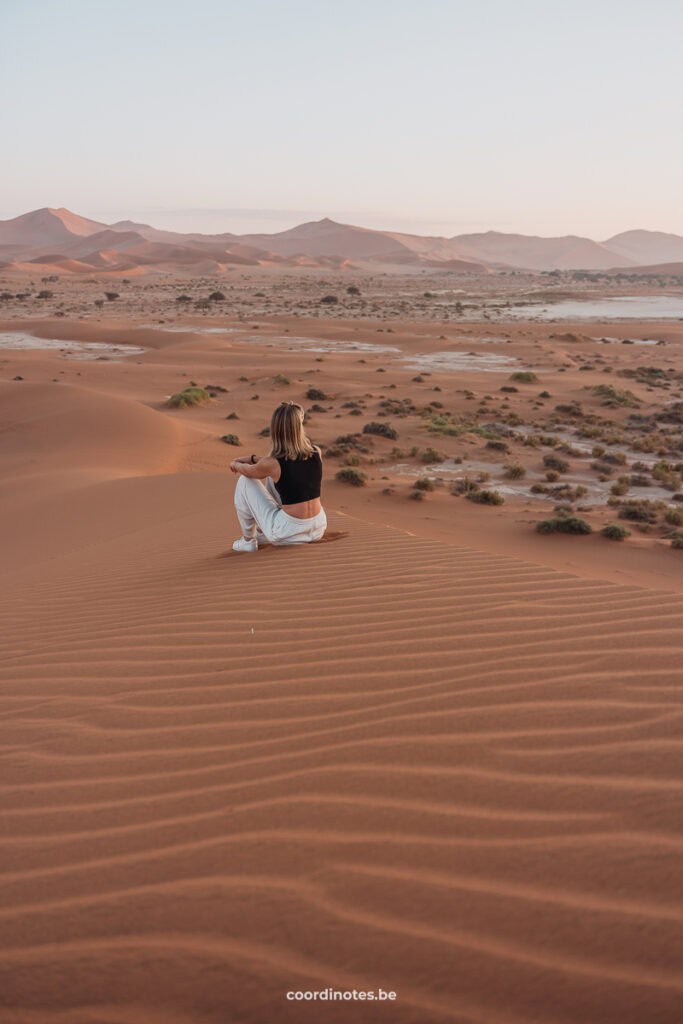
column 287, row 434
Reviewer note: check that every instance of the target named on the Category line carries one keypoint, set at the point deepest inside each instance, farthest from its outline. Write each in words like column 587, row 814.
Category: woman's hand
column 242, row 460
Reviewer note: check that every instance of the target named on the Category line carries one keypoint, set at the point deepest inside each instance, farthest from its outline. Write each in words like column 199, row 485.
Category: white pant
column 257, row 504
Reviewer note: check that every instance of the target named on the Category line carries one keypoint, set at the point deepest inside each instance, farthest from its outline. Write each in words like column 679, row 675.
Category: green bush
column 355, row 477
column 524, row 377
column 554, row 462
column 615, row 532
column 424, row 484
column 486, row 497
column 673, row 517
column 564, row 524
column 280, row 378
column 381, row 430
column 231, row 439
column 188, row 397
column 513, row 471
column 638, row 512
column 431, row 455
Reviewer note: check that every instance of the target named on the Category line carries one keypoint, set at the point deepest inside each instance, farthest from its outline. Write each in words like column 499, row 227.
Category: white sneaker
column 245, row 545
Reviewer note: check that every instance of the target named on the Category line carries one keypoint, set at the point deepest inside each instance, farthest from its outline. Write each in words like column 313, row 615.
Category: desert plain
column 437, row 753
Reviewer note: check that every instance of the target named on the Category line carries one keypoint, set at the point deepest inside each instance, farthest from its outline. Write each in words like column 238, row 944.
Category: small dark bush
column 216, row 297
column 564, row 524
column 637, row 513
column 553, row 462
column 352, row 290
column 381, row 430
column 615, row 532
column 329, row 300
column 231, row 439
column 424, row 484
column 355, row 477
column 524, row 377
column 513, row 471
column 431, row 455
column 316, row 395
column 188, row 397
column 183, row 298
column 110, row 296
column 486, row 497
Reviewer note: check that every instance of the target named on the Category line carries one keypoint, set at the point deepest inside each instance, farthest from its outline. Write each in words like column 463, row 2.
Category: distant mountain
column 45, row 227
column 643, row 247
column 57, row 237
column 568, row 252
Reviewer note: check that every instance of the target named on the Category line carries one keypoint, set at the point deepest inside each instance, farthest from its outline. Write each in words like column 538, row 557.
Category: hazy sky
column 430, row 116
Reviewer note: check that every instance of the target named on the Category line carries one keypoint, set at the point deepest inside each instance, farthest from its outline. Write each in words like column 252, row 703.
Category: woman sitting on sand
column 278, row 496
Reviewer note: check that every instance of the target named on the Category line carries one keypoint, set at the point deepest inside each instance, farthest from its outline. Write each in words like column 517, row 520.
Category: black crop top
column 300, row 479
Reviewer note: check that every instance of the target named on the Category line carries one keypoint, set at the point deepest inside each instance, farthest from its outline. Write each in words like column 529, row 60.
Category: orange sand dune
column 410, row 757
column 207, row 804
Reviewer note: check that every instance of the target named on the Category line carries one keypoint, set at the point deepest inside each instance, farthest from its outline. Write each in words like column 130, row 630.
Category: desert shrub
column 615, row 532
column 621, row 486
column 353, row 290
column 513, row 471
column 231, row 439
column 638, row 512
column 352, row 459
column 329, row 300
column 280, row 378
column 232, row 416
column 188, row 397
column 666, row 474
column 564, row 524
column 46, row 294
column 464, row 485
column 524, row 377
column 485, row 497
column 416, row 495
column 509, row 387
column 216, row 297
column 431, row 455
column 424, row 484
column 498, row 446
column 555, row 463
column 110, row 296
column 673, row 517
column 677, row 542
column 316, row 395
column 615, row 397
column 381, row 430
column 354, row 477
column 183, row 298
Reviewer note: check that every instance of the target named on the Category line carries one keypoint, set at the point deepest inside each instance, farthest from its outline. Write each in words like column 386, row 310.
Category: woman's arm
column 259, row 470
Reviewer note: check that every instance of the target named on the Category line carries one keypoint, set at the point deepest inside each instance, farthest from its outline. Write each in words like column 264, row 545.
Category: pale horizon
column 444, row 120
